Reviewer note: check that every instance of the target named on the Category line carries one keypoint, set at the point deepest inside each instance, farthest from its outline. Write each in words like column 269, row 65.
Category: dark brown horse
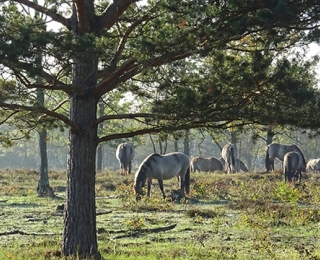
column 202, row 164
column 239, row 163
column 278, row 151
column 313, row 165
column 293, row 165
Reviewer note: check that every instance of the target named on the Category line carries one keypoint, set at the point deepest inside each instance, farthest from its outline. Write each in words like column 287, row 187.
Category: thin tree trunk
column 234, row 140
column 270, row 134
column 153, row 145
column 44, row 188
column 186, row 146
column 176, row 148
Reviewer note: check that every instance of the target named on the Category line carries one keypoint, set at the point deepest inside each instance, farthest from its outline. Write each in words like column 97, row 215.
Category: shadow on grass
column 209, row 202
column 21, row 205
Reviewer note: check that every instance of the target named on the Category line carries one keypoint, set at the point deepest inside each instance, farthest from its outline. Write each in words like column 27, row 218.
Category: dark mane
column 146, row 165
column 304, row 160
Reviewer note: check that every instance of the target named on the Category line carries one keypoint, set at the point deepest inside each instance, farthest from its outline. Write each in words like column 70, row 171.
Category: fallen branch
column 135, row 233
column 108, row 197
column 19, row 232
column 60, row 214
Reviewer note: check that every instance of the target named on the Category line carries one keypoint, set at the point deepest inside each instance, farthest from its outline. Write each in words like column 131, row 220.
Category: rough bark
column 79, row 234
column 100, row 147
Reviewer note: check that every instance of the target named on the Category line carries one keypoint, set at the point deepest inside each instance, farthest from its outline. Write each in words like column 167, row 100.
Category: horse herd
column 177, row 164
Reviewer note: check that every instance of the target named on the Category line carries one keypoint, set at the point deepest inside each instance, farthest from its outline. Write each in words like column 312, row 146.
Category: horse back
column 215, row 164
column 125, row 152
column 294, row 161
column 173, row 164
column 164, row 167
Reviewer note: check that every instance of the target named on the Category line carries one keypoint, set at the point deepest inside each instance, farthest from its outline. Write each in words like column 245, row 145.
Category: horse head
column 139, row 182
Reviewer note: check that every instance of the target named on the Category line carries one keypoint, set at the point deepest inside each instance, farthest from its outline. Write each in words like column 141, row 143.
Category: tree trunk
column 270, row 134
column 176, row 148
column 99, row 157
column 79, row 234
column 186, row 146
column 44, row 188
column 100, row 147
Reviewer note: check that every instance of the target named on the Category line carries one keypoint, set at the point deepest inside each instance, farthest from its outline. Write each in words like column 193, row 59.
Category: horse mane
column 142, row 172
column 301, row 153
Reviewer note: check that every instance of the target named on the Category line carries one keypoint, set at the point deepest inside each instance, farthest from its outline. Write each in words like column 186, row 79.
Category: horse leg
column 298, row 176
column 272, row 165
column 129, row 167
column 149, row 186
column 161, row 188
column 182, row 187
column 121, row 169
column 285, row 175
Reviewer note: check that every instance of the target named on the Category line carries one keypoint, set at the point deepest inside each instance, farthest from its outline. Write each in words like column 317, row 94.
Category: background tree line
column 251, row 142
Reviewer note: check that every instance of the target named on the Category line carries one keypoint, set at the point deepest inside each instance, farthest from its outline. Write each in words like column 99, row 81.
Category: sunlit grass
column 226, row 216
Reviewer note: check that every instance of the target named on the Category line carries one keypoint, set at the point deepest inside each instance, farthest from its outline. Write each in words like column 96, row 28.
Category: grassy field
column 236, row 216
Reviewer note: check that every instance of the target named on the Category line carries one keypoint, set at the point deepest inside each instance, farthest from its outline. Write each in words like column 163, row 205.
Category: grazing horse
column 229, row 154
column 313, row 165
column 242, row 166
column 239, row 163
column 163, row 167
column 201, row 164
column 278, row 151
column 293, row 165
column 125, row 154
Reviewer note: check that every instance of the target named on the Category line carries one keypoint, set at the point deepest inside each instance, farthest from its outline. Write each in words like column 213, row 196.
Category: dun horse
column 163, row 167
column 278, row 151
column 229, row 154
column 313, row 165
column 239, row 163
column 125, row 154
column 201, row 164
column 293, row 165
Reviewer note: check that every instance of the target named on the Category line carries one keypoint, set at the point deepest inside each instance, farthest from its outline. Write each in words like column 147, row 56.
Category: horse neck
column 141, row 175
column 300, row 152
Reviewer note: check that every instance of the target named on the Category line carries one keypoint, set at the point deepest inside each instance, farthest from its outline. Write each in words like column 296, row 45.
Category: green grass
column 236, row 216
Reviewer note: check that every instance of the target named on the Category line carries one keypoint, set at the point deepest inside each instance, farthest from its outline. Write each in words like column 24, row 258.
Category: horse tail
column 187, row 181
column 124, row 158
column 290, row 169
column 243, row 166
column 233, row 159
column 267, row 161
